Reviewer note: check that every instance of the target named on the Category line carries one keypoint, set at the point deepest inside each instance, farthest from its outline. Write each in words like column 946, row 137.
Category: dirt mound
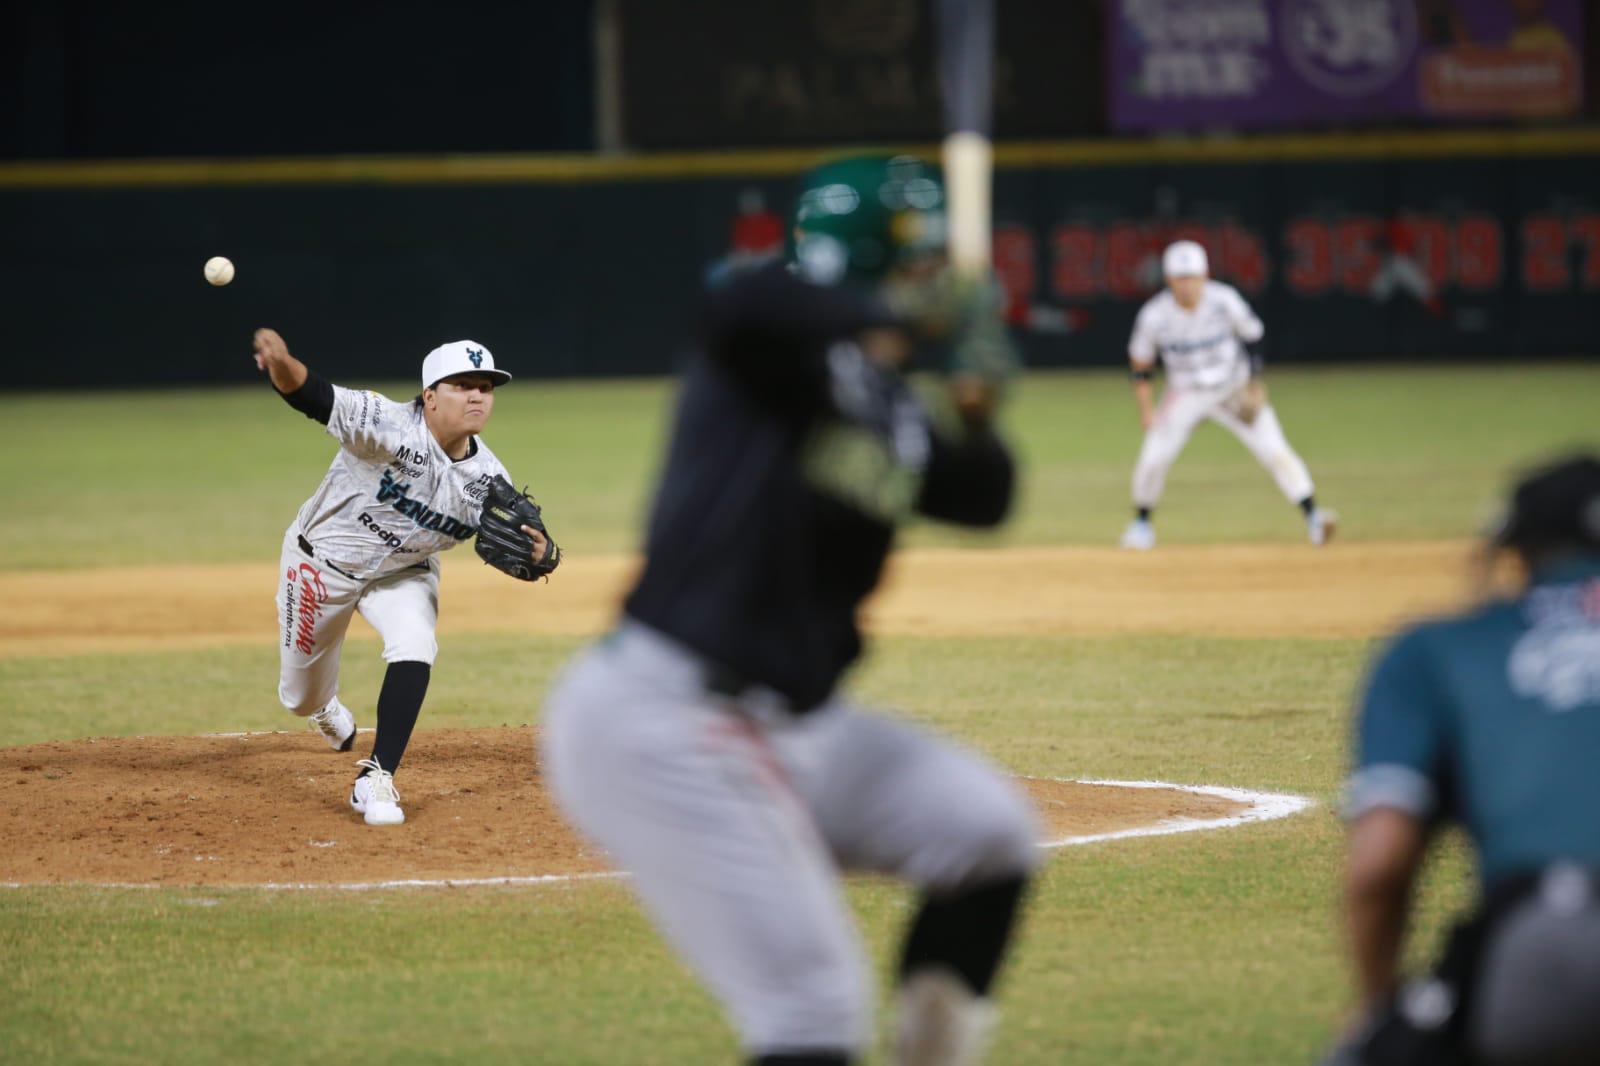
column 271, row 808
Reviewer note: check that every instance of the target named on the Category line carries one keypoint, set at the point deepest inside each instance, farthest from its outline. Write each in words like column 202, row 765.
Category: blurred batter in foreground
column 704, row 742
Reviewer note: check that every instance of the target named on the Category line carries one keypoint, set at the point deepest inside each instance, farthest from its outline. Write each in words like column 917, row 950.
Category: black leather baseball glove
column 502, row 543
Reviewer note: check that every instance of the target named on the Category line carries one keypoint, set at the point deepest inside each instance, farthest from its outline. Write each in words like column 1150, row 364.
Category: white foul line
column 1263, row 807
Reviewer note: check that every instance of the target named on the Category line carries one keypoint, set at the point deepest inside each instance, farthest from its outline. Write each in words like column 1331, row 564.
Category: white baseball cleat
column 941, row 1022
column 1321, row 524
column 335, row 724
column 373, row 796
column 1139, row 536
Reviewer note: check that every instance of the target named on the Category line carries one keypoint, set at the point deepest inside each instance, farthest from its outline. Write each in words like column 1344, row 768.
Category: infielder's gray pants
column 735, row 817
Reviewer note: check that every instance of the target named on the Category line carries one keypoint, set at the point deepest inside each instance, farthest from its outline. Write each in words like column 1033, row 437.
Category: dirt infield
column 1356, row 589
column 270, row 809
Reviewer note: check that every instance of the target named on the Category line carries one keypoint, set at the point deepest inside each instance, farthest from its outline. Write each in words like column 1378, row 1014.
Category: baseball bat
column 965, row 45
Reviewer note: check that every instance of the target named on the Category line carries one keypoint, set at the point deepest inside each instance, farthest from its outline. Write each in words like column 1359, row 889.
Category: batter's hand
column 975, row 398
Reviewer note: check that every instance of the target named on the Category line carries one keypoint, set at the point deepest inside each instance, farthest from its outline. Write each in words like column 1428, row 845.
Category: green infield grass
column 1206, row 948
column 216, row 474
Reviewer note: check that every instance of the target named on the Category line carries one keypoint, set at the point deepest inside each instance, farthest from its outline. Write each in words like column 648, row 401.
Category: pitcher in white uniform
column 1198, row 329
column 407, row 482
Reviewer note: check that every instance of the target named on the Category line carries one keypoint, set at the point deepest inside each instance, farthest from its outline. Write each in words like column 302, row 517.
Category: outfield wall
column 1409, row 246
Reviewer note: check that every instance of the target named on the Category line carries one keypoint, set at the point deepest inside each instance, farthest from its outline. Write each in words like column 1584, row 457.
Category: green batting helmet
column 857, row 219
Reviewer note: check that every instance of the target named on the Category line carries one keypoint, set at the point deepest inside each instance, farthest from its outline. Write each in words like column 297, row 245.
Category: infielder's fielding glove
column 502, row 543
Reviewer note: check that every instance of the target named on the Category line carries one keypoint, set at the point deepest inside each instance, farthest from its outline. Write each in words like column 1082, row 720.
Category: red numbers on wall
column 1348, row 253
column 1310, row 247
column 1074, row 262
column 1549, row 242
column 1356, row 251
column 1122, row 259
column 1014, row 265
column 1125, row 253
column 1480, row 261
column 1244, row 260
column 1429, row 241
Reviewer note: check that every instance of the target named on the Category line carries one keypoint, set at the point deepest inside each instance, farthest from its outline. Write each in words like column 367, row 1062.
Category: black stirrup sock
column 966, row 932
column 399, row 703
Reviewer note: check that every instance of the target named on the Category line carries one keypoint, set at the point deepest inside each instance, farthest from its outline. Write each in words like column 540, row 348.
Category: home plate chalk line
column 1261, row 807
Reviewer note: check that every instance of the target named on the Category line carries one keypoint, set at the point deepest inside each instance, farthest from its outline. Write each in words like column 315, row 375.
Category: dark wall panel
column 1378, row 259
column 196, row 78
column 1381, row 259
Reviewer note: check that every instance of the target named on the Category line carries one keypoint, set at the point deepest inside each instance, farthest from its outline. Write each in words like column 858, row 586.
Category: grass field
column 1206, row 948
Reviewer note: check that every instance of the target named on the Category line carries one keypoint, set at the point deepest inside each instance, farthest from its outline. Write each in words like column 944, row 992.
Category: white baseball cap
column 1184, row 259
column 460, row 357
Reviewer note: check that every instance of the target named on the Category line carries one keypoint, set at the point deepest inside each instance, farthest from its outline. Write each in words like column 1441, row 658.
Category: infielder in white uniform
column 407, row 483
column 1198, row 328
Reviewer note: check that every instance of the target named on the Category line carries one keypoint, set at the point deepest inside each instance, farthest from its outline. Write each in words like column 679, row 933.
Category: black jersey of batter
column 793, row 458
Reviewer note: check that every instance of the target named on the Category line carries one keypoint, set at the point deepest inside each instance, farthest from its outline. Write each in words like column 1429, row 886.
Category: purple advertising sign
column 1178, row 64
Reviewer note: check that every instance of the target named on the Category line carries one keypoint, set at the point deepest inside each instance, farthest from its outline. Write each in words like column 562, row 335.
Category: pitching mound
column 272, row 808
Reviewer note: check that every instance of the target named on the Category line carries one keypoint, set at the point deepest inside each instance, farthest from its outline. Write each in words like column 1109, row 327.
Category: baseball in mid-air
column 219, row 270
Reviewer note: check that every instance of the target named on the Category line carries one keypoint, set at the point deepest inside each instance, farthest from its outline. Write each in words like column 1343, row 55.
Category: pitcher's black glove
column 502, row 543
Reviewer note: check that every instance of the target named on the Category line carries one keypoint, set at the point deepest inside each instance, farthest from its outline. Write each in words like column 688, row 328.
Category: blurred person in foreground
column 704, row 742
column 1490, row 719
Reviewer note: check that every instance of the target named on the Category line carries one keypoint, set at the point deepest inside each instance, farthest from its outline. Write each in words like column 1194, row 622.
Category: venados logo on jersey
column 1182, row 347
column 424, row 516
column 475, row 356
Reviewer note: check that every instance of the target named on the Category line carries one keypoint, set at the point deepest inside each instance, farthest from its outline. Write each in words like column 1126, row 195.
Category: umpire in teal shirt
column 1492, row 720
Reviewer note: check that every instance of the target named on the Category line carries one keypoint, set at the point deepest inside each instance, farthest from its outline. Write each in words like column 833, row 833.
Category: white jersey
column 1200, row 348
column 392, row 497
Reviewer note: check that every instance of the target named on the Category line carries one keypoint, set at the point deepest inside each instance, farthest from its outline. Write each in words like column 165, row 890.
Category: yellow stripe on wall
column 571, row 169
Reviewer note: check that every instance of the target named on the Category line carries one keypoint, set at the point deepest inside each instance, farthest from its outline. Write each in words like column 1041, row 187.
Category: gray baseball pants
column 1538, row 993
column 735, row 819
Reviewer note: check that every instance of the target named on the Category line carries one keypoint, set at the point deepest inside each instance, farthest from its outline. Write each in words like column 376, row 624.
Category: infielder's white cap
column 460, row 357
column 1184, row 259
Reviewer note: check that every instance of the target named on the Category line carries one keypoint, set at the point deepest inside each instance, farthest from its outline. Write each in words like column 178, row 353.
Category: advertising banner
column 730, row 73
column 1177, row 64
